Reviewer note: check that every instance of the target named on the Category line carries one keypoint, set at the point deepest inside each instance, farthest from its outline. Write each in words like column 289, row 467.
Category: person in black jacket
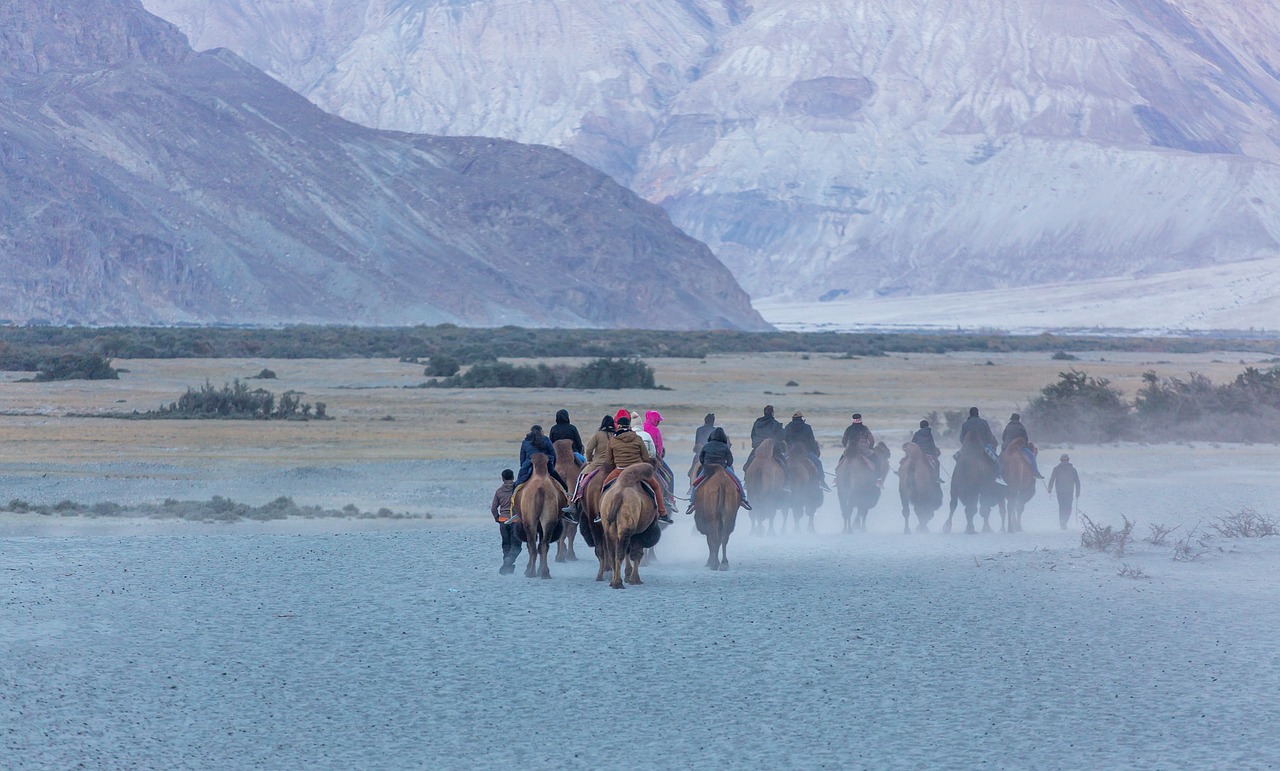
column 800, row 434
column 768, row 427
column 703, row 433
column 716, row 452
column 563, row 429
column 923, row 438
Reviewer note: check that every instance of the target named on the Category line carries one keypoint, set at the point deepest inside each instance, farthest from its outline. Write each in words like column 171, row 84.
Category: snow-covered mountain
column 820, row 146
column 141, row 182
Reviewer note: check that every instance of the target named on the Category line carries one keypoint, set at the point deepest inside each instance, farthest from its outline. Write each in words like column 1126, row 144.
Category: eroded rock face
column 143, row 183
column 819, row 145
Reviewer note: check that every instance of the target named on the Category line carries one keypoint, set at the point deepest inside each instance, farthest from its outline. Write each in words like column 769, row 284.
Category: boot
column 823, row 485
column 688, row 509
column 571, row 513
column 743, row 503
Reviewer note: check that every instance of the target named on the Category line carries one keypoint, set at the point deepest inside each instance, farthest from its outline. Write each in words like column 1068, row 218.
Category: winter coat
column 626, row 448
column 1014, row 430
column 857, row 432
column 717, row 453
column 500, row 508
column 700, row 436
column 563, row 429
column 766, row 427
column 651, row 420
column 529, row 448
column 1067, row 479
column 924, row 440
column 596, row 445
column 800, row 434
column 981, row 427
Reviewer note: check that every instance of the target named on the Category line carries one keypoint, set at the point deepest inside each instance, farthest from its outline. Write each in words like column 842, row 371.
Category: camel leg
column 570, row 535
column 544, row 555
column 712, row 548
column 603, row 559
column 615, row 560
column 530, row 570
column 969, row 512
column 724, row 551
column 986, row 520
column 946, row 527
column 634, row 560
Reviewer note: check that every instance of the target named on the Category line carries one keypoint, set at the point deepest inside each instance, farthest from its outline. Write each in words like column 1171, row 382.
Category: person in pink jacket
column 651, row 421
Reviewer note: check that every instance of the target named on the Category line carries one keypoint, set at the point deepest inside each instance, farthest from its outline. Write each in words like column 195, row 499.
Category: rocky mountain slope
column 141, row 182
column 826, row 146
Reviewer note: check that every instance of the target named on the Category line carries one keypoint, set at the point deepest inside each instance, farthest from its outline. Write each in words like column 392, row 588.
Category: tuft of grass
column 1245, row 523
column 1127, row 571
column 1106, row 538
column 1190, row 547
column 1159, row 533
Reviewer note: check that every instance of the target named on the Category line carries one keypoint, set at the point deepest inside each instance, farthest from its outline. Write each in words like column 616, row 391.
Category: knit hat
column 797, row 415
column 857, row 417
column 1015, row 416
column 624, row 421
column 1065, row 457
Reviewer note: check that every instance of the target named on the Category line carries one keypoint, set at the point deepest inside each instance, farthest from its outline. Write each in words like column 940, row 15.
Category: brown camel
column 539, row 502
column 715, row 512
column 593, row 531
column 630, row 520
column 567, row 466
column 765, row 481
column 918, row 486
column 1020, row 481
column 806, row 495
column 973, row 483
column 858, row 478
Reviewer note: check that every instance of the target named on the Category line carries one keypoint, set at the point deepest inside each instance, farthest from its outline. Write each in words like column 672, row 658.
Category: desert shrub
column 1245, row 523
column 265, row 374
column 1079, row 408
column 1131, row 571
column 77, row 366
column 217, row 509
column 1191, row 546
column 954, row 419
column 1158, row 534
column 608, row 374
column 1106, row 538
column 1064, row 356
column 442, row 366
column 236, row 400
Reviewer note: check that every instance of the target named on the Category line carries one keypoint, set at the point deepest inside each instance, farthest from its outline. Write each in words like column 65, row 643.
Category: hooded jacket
column 626, row 448
column 1014, row 430
column 800, row 434
column 716, row 450
column 563, row 429
column 766, row 427
column 651, row 420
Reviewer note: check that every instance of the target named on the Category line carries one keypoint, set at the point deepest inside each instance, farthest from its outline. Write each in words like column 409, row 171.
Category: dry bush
column 1159, row 533
column 1106, row 538
column 1127, row 571
column 1245, row 523
column 1190, row 547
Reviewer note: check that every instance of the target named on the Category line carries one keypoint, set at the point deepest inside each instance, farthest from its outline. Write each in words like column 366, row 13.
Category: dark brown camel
column 539, row 502
column 857, row 475
column 918, row 487
column 630, row 520
column 765, row 482
column 715, row 512
column 1020, row 483
column 973, row 483
column 593, row 531
column 568, row 468
column 806, row 495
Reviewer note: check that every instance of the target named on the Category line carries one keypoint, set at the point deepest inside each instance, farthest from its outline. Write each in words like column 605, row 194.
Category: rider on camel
column 716, row 452
column 593, row 453
column 800, row 434
column 979, row 425
column 626, row 448
column 923, row 438
column 1016, row 430
column 563, row 429
column 536, row 442
column 858, row 437
column 767, row 427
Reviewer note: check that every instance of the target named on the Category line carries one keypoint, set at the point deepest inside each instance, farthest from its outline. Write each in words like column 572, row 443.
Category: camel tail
column 615, row 506
column 720, row 512
column 540, row 499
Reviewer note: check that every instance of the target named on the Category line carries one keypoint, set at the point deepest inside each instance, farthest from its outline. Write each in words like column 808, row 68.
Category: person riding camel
column 535, row 443
column 800, row 434
column 593, row 454
column 859, row 437
column 700, row 439
column 716, row 452
column 1016, row 430
column 923, row 438
column 979, row 425
column 651, row 420
column 767, row 427
column 626, row 448
column 563, row 429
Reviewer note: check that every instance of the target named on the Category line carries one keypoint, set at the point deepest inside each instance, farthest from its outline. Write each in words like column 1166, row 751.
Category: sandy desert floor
column 390, row 644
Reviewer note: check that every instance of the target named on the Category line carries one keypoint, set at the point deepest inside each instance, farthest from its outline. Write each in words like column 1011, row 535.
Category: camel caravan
column 616, row 489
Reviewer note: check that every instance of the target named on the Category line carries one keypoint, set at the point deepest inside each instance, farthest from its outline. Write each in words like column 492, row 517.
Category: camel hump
column 634, row 474
column 765, row 448
column 1016, row 444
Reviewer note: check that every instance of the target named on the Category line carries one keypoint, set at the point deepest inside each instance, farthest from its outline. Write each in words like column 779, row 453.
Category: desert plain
column 136, row 642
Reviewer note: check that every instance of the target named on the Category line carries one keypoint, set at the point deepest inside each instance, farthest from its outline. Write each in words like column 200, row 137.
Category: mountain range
column 142, row 182
column 829, row 148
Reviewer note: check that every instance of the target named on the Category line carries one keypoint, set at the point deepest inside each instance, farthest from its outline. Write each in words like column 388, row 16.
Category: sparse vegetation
column 1245, row 523
column 1191, row 546
column 76, row 366
column 609, row 374
column 218, row 509
column 1158, row 533
column 236, row 400
column 1106, row 538
column 442, row 366
column 1081, row 408
column 1064, row 356
column 1131, row 571
column 265, row 374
